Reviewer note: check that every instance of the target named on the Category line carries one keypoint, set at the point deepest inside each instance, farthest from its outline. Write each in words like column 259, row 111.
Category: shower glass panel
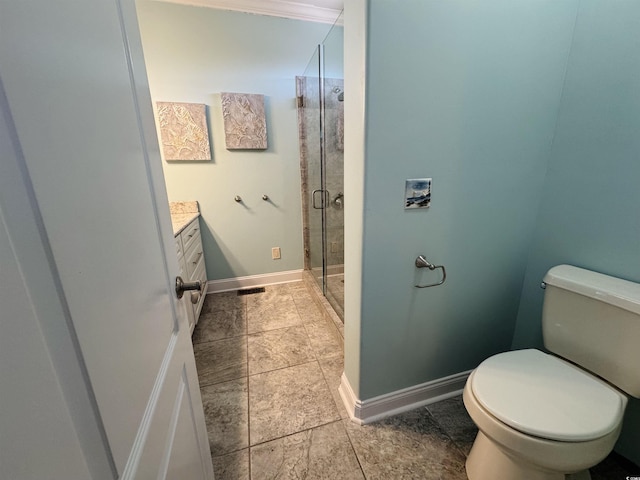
column 333, row 165
column 321, row 122
column 310, row 109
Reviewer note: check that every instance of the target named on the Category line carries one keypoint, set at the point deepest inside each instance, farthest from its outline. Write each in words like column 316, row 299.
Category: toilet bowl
column 552, row 416
column 539, row 425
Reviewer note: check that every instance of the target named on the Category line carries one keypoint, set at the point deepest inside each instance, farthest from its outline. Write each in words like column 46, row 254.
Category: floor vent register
column 251, row 291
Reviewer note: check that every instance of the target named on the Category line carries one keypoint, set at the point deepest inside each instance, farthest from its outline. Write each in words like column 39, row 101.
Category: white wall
column 193, row 54
column 355, row 31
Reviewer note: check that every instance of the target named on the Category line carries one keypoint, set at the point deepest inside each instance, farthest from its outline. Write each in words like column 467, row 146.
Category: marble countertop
column 182, row 214
column 179, row 221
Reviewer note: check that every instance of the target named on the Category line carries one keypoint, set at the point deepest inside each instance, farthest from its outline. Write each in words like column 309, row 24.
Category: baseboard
column 227, row 284
column 376, row 408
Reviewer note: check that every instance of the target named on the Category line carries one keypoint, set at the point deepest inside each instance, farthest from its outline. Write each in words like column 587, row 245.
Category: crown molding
column 274, row 8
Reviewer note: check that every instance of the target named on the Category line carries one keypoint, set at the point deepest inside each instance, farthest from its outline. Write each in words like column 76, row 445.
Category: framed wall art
column 417, row 193
column 184, row 134
column 245, row 123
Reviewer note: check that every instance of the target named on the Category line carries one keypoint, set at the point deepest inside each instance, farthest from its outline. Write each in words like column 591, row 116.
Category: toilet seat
column 541, row 395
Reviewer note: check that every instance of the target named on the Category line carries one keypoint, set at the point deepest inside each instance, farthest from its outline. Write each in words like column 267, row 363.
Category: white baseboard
column 376, row 408
column 227, row 284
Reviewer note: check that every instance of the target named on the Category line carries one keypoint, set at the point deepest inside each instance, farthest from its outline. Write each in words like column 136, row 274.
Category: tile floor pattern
column 269, row 367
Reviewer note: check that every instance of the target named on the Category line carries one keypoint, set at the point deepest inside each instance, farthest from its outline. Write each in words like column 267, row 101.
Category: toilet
column 551, row 416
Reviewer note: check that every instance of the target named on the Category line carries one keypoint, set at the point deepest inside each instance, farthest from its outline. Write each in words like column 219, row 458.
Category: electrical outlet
column 275, row 253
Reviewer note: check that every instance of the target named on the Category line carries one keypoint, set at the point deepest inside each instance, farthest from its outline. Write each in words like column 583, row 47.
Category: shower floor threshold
column 322, row 302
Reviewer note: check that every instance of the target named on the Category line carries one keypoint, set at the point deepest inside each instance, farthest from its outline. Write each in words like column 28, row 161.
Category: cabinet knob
column 195, row 297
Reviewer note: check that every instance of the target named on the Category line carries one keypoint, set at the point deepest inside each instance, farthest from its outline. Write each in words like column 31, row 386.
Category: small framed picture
column 417, row 193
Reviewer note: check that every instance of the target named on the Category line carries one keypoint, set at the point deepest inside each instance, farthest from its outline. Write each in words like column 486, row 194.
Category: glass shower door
column 320, row 97
column 332, row 104
column 311, row 93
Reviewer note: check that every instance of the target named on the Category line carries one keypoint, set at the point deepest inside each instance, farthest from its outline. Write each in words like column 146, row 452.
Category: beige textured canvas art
column 183, row 131
column 245, row 124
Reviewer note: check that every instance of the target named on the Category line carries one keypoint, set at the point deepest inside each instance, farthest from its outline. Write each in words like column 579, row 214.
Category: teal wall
column 466, row 93
column 589, row 214
column 193, row 54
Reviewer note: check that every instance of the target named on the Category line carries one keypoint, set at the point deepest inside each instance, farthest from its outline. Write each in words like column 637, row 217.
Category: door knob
column 182, row 286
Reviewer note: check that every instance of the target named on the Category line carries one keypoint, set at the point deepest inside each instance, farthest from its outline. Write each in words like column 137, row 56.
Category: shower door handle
column 324, row 201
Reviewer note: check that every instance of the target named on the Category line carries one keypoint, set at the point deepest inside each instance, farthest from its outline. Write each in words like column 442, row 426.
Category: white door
column 88, row 247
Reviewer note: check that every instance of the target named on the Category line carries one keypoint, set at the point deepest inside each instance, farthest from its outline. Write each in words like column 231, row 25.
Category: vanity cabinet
column 192, row 268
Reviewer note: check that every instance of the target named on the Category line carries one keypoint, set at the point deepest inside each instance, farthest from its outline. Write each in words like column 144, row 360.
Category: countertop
column 182, row 214
column 179, row 221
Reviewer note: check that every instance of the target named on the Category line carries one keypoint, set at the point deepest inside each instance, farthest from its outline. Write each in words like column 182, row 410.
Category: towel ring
column 422, row 262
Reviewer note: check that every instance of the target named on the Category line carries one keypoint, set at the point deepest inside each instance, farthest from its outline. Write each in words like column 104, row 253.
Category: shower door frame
column 312, row 116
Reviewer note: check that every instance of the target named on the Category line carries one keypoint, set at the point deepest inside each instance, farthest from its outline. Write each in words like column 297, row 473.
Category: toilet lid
column 541, row 395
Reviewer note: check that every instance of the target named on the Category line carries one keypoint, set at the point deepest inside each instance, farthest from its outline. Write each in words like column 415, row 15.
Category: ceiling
column 324, row 11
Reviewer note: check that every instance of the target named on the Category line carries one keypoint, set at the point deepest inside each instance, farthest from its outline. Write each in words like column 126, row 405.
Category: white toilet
column 542, row 417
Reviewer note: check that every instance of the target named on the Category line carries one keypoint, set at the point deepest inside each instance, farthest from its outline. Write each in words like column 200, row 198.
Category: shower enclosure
column 320, row 94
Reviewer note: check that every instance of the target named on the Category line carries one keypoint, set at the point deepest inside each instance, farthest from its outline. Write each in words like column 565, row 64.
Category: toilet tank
column 593, row 320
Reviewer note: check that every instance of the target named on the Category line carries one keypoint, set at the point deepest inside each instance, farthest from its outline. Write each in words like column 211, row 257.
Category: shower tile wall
column 308, row 118
column 334, row 152
column 309, row 139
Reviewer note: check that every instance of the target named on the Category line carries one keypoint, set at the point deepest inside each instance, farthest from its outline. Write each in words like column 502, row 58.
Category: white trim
column 227, row 284
column 274, row 8
column 140, row 441
column 349, row 398
column 382, row 406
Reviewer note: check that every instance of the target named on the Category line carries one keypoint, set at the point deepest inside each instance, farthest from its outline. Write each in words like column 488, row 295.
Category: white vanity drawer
column 200, row 274
column 194, row 257
column 190, row 255
column 178, row 246
column 190, row 235
column 189, row 310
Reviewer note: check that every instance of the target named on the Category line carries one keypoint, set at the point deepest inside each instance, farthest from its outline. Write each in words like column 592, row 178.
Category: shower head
column 341, row 97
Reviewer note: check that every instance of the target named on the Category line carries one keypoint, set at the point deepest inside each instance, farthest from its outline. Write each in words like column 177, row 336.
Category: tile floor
column 269, row 365
column 335, row 289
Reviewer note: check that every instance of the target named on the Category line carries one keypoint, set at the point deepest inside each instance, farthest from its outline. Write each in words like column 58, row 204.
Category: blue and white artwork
column 417, row 193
